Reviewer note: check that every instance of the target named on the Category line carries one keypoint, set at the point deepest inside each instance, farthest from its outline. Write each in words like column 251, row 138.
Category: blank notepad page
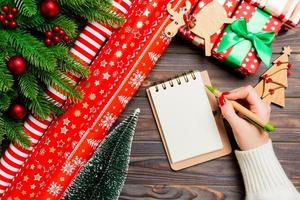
column 186, row 118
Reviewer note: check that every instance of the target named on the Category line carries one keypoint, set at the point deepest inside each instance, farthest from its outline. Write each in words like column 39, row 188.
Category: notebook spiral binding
column 178, row 79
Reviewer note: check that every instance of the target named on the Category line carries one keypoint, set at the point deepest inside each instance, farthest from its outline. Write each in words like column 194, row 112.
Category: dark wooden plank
column 150, row 176
column 180, row 192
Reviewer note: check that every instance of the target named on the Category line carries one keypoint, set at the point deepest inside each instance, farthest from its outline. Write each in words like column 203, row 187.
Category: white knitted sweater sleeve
column 263, row 175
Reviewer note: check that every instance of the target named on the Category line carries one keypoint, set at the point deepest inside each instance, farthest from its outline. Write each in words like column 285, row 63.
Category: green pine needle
column 68, row 25
column 40, row 106
column 5, row 101
column 27, row 7
column 14, row 131
column 69, row 64
column 6, row 78
column 29, row 86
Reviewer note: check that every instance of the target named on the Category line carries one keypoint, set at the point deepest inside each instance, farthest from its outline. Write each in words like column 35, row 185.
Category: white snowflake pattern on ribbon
column 54, row 189
column 137, row 79
column 78, row 161
column 108, row 121
column 68, row 168
column 123, row 100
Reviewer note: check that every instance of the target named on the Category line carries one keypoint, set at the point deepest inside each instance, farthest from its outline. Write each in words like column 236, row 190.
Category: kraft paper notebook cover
column 189, row 120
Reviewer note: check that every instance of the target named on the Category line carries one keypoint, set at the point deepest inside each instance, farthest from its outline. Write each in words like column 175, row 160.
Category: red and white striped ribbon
column 286, row 10
column 84, row 50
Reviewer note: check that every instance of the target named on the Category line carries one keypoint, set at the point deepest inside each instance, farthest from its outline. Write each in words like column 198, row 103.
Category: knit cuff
column 262, row 171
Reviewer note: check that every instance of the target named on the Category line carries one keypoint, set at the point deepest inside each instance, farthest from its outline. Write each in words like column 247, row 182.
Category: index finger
column 248, row 93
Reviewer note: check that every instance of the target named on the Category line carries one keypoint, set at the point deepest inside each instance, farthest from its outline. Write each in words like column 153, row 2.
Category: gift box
column 115, row 76
column 286, row 10
column 246, row 42
column 229, row 6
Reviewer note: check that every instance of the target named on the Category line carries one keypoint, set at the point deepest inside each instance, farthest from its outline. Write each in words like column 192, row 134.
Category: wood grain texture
column 150, row 176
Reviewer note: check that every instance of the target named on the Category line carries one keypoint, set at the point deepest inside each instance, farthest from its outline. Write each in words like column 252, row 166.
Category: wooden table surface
column 150, row 176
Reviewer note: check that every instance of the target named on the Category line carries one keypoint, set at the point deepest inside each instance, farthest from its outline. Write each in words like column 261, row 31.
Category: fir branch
column 70, row 64
column 5, row 101
column 67, row 24
column 105, row 15
column 40, row 106
column 58, row 80
column 72, row 3
column 54, row 108
column 3, row 40
column 59, row 51
column 14, row 131
column 81, row 5
column 32, row 49
column 29, row 86
column 6, row 78
column 65, row 84
column 27, row 7
column 31, row 22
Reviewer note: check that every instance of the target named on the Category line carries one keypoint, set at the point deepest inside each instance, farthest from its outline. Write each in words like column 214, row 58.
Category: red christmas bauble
column 10, row 16
column 56, row 39
column 13, row 24
column 61, row 32
column 48, row 41
column 49, row 34
column 14, row 10
column 56, row 29
column 5, row 8
column 2, row 17
column 5, row 22
column 17, row 65
column 49, row 8
column 17, row 111
column 66, row 38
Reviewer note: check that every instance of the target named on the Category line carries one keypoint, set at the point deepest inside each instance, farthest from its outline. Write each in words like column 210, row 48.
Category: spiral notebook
column 188, row 120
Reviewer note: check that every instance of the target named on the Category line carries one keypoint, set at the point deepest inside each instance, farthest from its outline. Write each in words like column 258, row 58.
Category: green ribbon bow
column 261, row 41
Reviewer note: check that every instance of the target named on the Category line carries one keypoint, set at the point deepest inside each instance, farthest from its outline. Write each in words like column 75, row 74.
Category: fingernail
column 225, row 93
column 221, row 101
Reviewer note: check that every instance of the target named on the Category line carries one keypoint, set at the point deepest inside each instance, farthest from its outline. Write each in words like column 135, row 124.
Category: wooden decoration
column 178, row 18
column 274, row 81
column 208, row 21
column 204, row 24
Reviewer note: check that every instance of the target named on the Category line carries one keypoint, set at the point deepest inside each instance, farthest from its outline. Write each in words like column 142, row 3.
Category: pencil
column 250, row 116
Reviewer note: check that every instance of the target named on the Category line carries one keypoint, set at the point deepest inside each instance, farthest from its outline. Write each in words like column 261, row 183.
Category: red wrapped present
column 286, row 10
column 247, row 41
column 229, row 6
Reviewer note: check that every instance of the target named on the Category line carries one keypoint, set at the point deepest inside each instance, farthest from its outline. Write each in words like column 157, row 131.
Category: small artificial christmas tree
column 103, row 176
column 34, row 54
column 274, row 81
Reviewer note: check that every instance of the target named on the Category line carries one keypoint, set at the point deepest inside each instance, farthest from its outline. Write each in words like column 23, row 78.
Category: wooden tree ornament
column 274, row 81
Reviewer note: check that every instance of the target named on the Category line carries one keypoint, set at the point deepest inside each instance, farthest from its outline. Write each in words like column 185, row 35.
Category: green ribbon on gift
column 242, row 37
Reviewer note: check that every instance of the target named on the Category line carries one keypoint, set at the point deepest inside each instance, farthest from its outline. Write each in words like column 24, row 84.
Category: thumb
column 229, row 113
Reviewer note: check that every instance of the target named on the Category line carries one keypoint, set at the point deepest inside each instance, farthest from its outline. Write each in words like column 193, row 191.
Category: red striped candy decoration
column 95, row 34
column 14, row 156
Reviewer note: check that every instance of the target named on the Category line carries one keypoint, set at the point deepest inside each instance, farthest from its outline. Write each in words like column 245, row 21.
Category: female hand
column 247, row 135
